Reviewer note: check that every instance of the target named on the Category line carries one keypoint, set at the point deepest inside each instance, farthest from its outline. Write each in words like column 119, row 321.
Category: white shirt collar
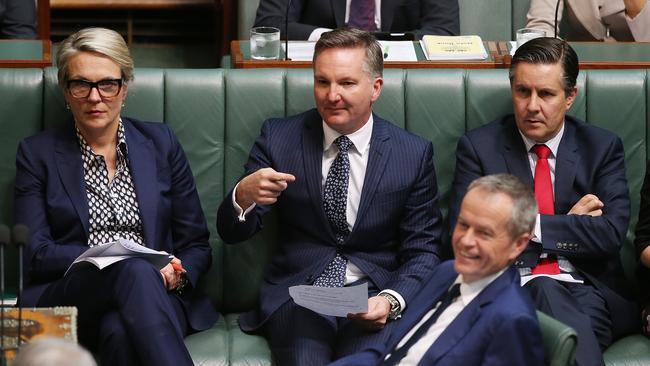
column 553, row 143
column 360, row 138
column 468, row 291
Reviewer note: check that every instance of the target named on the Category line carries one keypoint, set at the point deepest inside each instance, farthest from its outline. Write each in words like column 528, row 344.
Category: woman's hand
column 172, row 276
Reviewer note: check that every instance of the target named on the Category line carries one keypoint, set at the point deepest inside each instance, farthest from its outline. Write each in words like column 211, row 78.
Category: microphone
column 5, row 238
column 21, row 238
column 286, row 33
column 557, row 8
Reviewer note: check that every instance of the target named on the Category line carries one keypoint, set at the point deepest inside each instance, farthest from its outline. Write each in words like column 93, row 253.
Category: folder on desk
column 453, row 48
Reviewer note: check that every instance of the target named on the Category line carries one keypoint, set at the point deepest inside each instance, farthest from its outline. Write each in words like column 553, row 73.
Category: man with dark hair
column 357, row 202
column 309, row 19
column 571, row 266
column 473, row 311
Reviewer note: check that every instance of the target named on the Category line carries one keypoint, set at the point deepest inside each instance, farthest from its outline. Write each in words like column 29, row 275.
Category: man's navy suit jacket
column 418, row 16
column 589, row 160
column 395, row 238
column 498, row 327
column 51, row 200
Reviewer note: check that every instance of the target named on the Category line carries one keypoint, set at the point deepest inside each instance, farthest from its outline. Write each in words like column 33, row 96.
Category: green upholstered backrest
column 21, row 115
column 217, row 114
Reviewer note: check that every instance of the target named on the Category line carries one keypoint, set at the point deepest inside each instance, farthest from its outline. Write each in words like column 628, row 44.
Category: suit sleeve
column 467, row 169
column 229, row 227
column 272, row 13
column 420, row 232
column 440, row 17
column 43, row 256
column 541, row 15
column 515, row 341
column 189, row 231
column 584, row 236
column 18, row 20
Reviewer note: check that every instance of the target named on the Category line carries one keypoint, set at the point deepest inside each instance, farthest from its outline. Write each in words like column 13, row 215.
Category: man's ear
column 571, row 97
column 519, row 245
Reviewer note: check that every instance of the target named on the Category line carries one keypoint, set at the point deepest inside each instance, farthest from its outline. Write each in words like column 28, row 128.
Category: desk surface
column 240, row 52
column 592, row 55
column 25, row 53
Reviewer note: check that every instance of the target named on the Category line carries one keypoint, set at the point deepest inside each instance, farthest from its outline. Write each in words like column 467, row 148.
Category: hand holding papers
column 334, row 301
column 453, row 48
column 104, row 255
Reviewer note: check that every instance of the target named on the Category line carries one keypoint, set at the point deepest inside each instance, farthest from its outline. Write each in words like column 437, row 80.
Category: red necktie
column 544, row 196
column 362, row 15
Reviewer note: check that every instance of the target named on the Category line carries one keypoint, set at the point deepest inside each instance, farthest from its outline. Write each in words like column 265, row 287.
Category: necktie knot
column 542, row 151
column 454, row 291
column 343, row 143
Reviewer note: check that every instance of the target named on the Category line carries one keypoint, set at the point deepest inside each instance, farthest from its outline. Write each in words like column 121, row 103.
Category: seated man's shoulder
column 589, row 133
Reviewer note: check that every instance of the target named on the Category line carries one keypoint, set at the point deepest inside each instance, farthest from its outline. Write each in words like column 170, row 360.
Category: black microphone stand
column 286, row 33
column 21, row 237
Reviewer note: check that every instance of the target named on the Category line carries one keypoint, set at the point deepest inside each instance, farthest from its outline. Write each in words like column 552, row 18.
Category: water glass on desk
column 265, row 43
column 526, row 34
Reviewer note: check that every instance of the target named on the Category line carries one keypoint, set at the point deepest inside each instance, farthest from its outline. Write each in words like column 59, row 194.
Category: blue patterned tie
column 362, row 15
column 335, row 199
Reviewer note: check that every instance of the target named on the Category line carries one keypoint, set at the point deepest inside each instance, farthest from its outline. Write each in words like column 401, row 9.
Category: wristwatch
column 395, row 307
column 182, row 282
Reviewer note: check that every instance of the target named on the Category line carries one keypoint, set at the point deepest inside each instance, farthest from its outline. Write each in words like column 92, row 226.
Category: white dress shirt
column 553, row 144
column 316, row 33
column 468, row 291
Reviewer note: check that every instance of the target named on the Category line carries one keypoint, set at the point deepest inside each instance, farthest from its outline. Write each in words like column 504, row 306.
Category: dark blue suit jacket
column 51, row 200
column 589, row 160
column 499, row 327
column 395, row 238
column 418, row 16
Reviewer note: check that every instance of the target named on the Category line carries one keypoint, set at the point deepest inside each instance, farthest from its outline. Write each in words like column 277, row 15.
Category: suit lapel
column 142, row 163
column 378, row 157
column 566, row 162
column 515, row 154
column 464, row 322
column 338, row 8
column 312, row 146
column 70, row 167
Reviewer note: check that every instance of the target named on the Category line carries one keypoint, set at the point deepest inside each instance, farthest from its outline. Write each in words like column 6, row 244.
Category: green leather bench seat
column 218, row 113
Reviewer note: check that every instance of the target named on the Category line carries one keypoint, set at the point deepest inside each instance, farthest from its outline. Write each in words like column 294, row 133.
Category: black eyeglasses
column 107, row 88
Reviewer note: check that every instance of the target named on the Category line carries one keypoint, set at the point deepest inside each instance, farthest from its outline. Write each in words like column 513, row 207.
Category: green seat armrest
column 560, row 341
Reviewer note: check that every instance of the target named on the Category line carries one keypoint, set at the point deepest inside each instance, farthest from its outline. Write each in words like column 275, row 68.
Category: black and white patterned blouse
column 112, row 206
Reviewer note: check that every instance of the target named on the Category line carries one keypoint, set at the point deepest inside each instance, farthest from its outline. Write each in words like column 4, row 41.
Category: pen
column 177, row 267
column 386, row 51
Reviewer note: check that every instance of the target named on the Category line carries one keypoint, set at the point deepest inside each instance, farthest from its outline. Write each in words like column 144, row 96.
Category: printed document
column 104, row 255
column 334, row 301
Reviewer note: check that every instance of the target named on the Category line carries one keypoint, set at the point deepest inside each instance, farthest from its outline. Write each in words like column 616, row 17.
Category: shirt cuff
column 400, row 299
column 241, row 213
column 315, row 35
column 537, row 231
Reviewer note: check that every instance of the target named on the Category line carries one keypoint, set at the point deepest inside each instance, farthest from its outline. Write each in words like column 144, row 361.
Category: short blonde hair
column 102, row 41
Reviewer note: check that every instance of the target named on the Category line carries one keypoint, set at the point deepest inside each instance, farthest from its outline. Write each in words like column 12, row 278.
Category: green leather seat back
column 248, row 103
column 616, row 101
column 197, row 115
column 21, row 116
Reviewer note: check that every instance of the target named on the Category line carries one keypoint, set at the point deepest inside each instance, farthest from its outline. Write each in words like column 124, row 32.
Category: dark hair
column 354, row 38
column 546, row 50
